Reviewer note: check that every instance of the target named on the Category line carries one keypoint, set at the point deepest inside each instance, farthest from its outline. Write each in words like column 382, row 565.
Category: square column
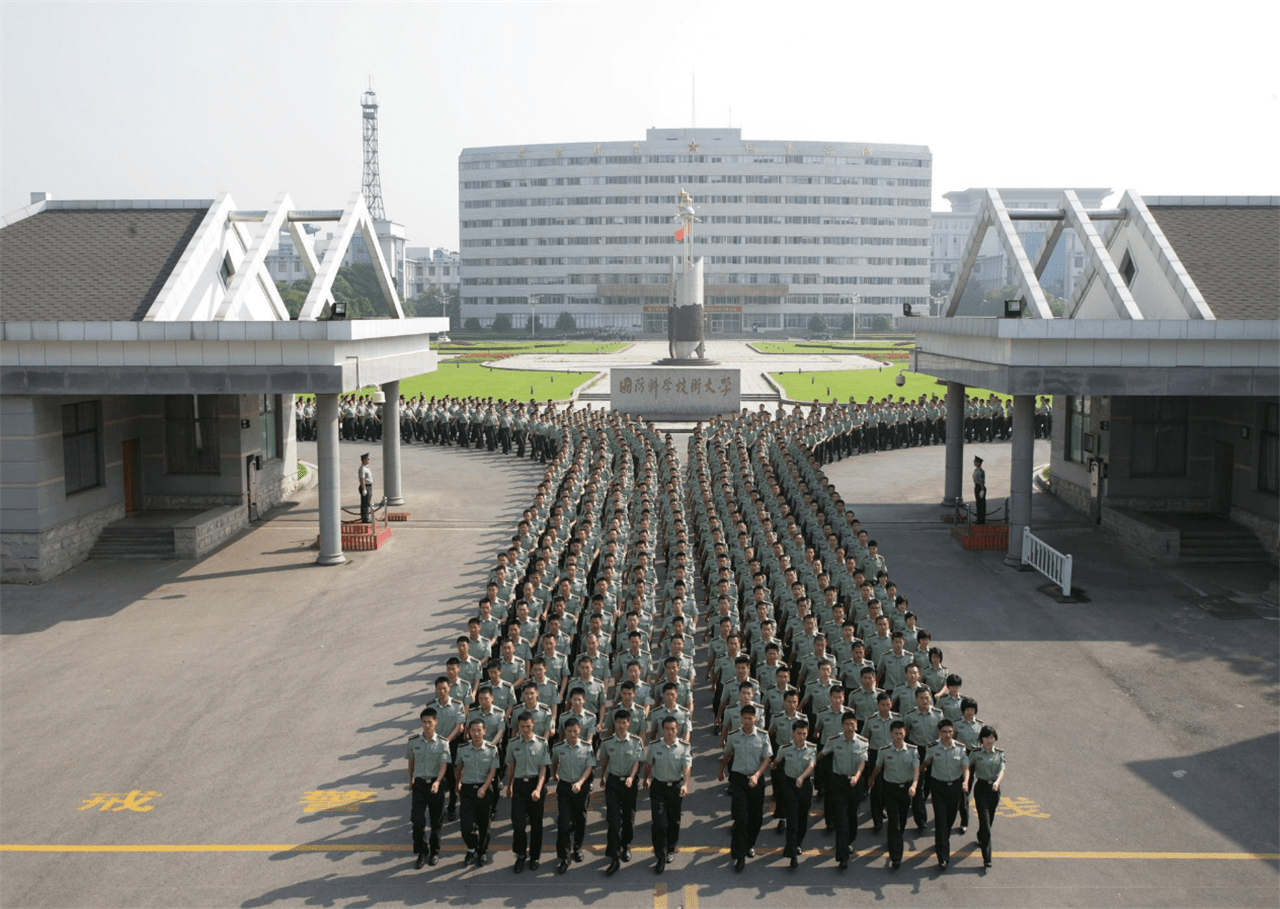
column 1020, row 468
column 953, row 492
column 391, row 443
column 330, row 482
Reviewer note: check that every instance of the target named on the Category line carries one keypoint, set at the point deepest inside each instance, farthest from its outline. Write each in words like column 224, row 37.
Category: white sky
column 184, row 100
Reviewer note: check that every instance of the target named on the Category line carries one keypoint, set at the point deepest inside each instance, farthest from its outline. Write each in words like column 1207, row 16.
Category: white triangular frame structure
column 1102, row 250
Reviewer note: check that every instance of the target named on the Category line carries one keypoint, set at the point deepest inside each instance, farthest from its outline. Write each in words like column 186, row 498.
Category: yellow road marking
column 690, row 894
column 659, row 896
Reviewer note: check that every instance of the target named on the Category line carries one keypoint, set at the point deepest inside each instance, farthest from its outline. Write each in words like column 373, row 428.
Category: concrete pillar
column 330, row 481
column 1024, row 442
column 954, row 488
column 391, row 443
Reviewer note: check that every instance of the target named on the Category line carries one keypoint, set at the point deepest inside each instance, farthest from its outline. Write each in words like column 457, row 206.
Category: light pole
column 533, row 315
column 853, row 331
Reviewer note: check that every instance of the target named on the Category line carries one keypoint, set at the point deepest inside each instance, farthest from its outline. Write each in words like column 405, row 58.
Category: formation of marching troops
column 633, row 604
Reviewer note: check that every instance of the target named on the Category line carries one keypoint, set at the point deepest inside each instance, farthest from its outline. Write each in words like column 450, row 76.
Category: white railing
column 1048, row 561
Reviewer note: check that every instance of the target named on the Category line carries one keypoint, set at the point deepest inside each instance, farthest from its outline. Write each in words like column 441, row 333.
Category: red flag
column 680, row 234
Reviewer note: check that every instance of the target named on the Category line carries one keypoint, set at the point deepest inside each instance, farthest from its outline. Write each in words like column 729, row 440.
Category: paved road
column 727, row 353
column 1142, row 731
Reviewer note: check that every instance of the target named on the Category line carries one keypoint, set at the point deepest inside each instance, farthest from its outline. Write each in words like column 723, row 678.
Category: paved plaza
column 230, row 733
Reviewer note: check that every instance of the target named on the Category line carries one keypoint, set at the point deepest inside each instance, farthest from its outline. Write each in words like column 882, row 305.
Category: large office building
column 788, row 229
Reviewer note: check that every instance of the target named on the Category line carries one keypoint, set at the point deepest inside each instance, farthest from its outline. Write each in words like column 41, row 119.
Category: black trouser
column 519, row 437
column 980, row 504
column 450, row 780
column 875, row 795
column 490, row 438
column 526, row 811
column 620, row 809
column 844, row 801
column 897, row 802
column 571, row 816
column 504, row 439
column 748, row 812
column 475, row 818
column 947, row 796
column 366, row 503
column 796, row 801
column 964, row 802
column 424, row 802
column 920, row 804
column 665, row 804
column 986, row 801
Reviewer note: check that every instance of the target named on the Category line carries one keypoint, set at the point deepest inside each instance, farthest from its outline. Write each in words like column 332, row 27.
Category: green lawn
column 540, row 347
column 860, row 384
column 462, row 379
column 867, row 348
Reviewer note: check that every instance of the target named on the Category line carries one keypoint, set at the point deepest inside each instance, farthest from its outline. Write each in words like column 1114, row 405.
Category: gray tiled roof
column 1231, row 252
column 86, row 265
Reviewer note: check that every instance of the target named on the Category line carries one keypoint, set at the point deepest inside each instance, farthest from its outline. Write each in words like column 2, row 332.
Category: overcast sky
column 184, row 100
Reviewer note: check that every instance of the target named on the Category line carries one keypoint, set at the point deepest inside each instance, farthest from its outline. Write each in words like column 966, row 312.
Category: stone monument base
column 681, row 393
column 689, row 361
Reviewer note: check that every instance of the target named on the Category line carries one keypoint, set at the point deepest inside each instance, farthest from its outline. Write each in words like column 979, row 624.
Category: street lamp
column 533, row 315
column 853, row 332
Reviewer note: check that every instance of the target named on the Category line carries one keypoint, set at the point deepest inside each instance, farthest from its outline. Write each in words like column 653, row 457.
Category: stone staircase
column 1215, row 540
column 122, row 541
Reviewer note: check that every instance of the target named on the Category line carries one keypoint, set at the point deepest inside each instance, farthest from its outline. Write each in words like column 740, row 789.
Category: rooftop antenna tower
column 371, row 185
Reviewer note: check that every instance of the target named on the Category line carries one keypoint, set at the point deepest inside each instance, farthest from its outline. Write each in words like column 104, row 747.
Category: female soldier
column 988, row 766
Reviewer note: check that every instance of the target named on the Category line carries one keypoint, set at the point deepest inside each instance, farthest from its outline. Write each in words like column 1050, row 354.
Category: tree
column 294, row 295
column 881, row 322
column 846, row 322
column 472, row 324
column 453, row 308
column 501, row 322
column 566, row 322
column 817, row 323
column 431, row 303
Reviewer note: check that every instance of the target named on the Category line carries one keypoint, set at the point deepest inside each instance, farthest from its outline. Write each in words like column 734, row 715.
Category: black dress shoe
column 433, row 858
column 987, row 863
column 661, row 864
column 782, row 826
column 671, row 856
column 466, row 859
column 842, row 864
column 419, row 862
column 451, row 814
column 577, row 854
column 895, row 865
column 942, row 866
column 613, row 867
column 483, row 858
column 795, row 863
column 563, row 866
column 751, row 853
column 876, row 828
column 626, row 853
column 519, row 863
column 739, row 863
column 963, row 829
column 533, row 864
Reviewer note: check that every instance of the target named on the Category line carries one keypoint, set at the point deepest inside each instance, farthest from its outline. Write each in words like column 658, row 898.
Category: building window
column 268, row 417
column 81, row 457
column 1128, row 269
column 1269, row 449
column 1077, row 421
column 191, row 433
column 227, row 271
column 1158, row 439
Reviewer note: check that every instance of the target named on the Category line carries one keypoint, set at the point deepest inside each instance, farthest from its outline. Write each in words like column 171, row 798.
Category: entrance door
column 132, row 477
column 1224, row 459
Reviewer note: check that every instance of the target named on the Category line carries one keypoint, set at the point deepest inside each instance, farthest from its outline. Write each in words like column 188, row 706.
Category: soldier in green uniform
column 572, row 763
column 900, row 766
column 621, row 755
column 668, row 764
column 528, row 758
column 987, row 766
column 747, row 754
column 796, row 760
column 848, row 753
column 428, row 755
column 479, row 762
column 948, row 768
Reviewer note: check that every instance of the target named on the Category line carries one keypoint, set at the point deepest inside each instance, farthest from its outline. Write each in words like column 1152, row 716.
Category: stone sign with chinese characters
column 675, row 392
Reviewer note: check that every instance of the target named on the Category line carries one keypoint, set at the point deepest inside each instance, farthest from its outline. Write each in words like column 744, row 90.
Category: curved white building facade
column 787, row 229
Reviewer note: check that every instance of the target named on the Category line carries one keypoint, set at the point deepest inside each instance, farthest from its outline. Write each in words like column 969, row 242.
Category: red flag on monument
column 680, row 234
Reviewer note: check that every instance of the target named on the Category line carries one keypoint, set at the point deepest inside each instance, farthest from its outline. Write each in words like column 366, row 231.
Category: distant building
column 284, row 262
column 426, row 268
column 788, row 229
column 992, row 270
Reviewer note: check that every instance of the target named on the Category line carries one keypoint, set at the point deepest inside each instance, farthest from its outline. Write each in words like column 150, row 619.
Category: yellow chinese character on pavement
column 1019, row 807
column 335, row 800
column 134, row 800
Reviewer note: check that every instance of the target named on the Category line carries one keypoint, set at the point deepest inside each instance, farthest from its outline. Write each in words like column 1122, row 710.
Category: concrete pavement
column 231, row 696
